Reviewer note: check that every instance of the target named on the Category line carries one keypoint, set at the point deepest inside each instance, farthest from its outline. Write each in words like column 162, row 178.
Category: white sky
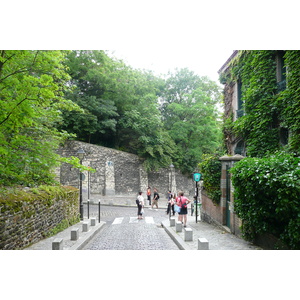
column 204, row 62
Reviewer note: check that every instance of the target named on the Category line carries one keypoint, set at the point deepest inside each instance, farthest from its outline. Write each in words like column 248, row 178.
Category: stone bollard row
column 57, row 244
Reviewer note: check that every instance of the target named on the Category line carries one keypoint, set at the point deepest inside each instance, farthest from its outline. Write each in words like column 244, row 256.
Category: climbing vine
column 288, row 101
column 210, row 168
column 267, row 111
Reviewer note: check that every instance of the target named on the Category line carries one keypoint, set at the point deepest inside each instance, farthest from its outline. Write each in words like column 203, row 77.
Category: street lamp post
column 80, row 154
column 171, row 189
column 196, row 178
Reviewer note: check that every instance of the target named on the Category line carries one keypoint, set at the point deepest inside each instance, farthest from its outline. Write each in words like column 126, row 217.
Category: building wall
column 217, row 214
column 211, row 212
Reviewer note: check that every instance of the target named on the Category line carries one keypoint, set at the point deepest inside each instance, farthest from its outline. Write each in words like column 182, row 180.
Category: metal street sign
column 197, row 177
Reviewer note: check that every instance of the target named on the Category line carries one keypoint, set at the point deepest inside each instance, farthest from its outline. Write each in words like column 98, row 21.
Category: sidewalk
column 218, row 238
column 68, row 244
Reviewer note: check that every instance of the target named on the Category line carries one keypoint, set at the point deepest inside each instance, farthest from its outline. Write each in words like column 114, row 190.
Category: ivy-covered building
column 262, row 101
column 260, row 194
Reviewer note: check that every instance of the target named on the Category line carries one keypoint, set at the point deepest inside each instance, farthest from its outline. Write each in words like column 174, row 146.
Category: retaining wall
column 118, row 173
column 27, row 217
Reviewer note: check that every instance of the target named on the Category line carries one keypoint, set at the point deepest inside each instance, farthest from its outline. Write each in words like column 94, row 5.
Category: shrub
column 267, row 193
column 210, row 168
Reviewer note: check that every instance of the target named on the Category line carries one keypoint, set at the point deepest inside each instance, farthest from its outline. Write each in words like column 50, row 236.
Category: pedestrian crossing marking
column 149, row 220
column 133, row 220
column 117, row 221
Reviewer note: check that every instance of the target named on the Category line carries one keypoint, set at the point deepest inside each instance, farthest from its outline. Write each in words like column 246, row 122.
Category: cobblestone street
column 124, row 232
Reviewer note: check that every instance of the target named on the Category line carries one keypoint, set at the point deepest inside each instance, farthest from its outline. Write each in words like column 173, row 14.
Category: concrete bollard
column 93, row 221
column 75, row 234
column 57, row 244
column 85, row 226
column 172, row 222
column 188, row 234
column 178, row 226
column 203, row 244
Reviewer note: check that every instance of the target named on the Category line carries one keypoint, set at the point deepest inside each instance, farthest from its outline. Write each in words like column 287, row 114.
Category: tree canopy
column 32, row 85
column 48, row 96
column 191, row 117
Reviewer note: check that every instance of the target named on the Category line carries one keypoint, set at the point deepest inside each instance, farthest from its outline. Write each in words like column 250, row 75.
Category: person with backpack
column 182, row 202
column 140, row 205
column 155, row 199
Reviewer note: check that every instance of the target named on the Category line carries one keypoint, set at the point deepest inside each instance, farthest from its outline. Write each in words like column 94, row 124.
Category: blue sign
column 197, row 176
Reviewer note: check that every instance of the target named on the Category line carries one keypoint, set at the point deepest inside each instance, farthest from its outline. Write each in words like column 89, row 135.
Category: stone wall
column 118, row 173
column 28, row 219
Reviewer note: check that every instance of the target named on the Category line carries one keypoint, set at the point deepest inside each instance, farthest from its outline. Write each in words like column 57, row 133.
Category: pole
column 88, row 185
column 99, row 210
column 80, row 198
column 196, row 194
column 88, row 206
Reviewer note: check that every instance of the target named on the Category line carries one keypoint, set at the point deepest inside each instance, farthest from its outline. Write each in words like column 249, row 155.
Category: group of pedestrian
column 141, row 203
column 178, row 204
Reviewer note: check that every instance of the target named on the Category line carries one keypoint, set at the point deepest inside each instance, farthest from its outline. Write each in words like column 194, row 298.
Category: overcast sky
column 204, row 62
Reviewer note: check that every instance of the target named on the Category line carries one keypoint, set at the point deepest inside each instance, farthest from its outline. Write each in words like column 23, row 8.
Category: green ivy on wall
column 210, row 168
column 288, row 101
column 267, row 111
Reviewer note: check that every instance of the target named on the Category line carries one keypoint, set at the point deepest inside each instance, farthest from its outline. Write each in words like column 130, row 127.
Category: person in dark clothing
column 170, row 203
column 155, row 199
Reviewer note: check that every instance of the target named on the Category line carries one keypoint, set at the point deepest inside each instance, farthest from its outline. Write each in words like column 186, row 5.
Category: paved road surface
column 124, row 232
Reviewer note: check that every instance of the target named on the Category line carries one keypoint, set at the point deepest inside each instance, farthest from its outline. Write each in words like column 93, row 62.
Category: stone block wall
column 28, row 219
column 118, row 173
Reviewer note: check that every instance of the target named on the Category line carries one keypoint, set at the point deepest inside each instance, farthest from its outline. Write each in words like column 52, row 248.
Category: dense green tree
column 190, row 116
column 91, row 86
column 32, row 85
column 120, row 107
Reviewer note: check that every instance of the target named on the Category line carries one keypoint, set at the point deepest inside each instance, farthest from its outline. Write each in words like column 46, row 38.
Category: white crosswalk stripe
column 149, row 220
column 118, row 221
column 133, row 220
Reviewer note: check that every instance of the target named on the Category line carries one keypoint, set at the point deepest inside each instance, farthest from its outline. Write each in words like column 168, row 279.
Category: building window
column 281, row 71
column 240, row 148
column 283, row 136
column 240, row 109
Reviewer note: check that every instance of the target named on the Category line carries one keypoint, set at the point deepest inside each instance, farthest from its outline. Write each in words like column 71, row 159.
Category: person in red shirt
column 182, row 202
column 149, row 195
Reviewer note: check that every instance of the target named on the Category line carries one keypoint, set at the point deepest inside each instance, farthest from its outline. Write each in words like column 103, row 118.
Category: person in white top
column 140, row 205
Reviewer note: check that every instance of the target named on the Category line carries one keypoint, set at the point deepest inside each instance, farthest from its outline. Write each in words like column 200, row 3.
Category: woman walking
column 140, row 205
column 182, row 202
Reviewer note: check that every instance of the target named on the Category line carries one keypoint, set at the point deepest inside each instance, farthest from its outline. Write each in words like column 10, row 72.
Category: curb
column 87, row 237
column 181, row 244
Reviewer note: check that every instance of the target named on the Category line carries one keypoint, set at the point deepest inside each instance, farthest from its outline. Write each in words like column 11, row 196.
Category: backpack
column 137, row 201
column 183, row 205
